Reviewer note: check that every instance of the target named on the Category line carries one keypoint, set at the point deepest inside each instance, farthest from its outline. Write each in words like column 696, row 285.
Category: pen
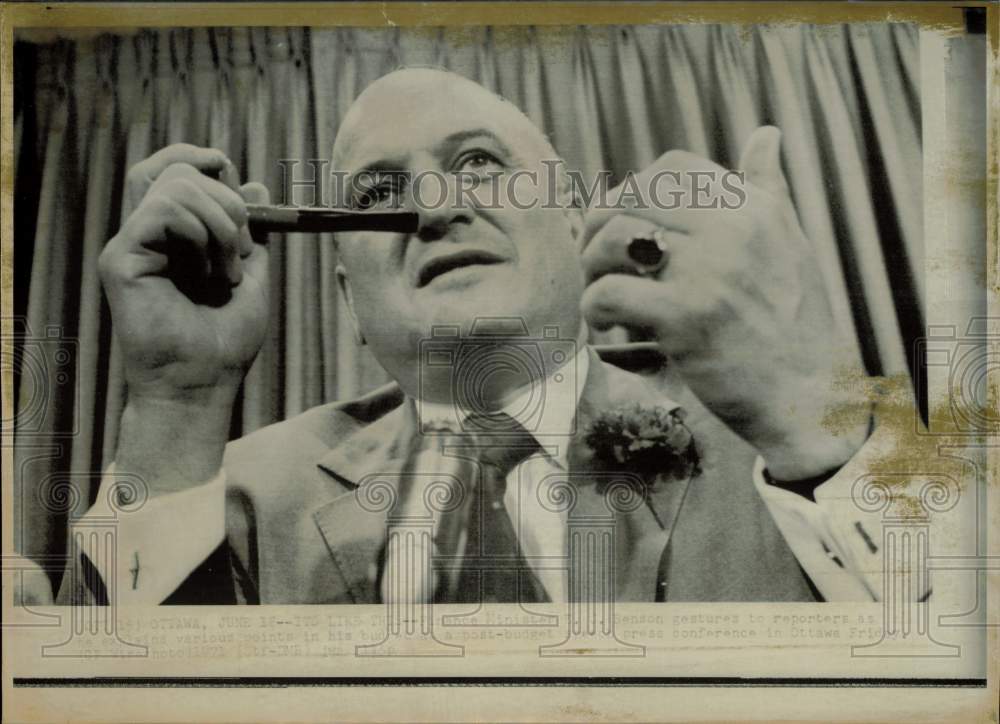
column 277, row 218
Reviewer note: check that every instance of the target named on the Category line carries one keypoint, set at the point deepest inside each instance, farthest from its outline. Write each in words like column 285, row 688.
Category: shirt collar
column 546, row 409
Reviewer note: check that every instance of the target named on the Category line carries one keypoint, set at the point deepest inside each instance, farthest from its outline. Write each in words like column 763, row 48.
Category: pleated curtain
column 610, row 98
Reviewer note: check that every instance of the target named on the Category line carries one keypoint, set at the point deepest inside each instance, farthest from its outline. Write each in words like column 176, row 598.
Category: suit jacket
column 297, row 533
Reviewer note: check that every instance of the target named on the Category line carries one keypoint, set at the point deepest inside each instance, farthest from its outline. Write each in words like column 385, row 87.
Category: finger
column 665, row 309
column 662, row 194
column 230, row 176
column 761, row 161
column 679, row 314
column 207, row 160
column 200, row 196
column 657, row 187
column 679, row 224
column 256, row 267
column 630, row 301
column 253, row 193
column 226, row 192
column 684, row 162
column 169, row 230
column 679, row 221
column 164, row 218
column 228, row 198
column 191, row 262
column 227, row 256
column 608, row 253
column 143, row 174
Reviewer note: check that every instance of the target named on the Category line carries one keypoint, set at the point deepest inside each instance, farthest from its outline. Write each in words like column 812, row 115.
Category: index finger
column 655, row 189
column 210, row 161
column 596, row 219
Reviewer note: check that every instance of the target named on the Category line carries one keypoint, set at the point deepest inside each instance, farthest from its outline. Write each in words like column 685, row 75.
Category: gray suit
column 300, row 535
column 296, row 532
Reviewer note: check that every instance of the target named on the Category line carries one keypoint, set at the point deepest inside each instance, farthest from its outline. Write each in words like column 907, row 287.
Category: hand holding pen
column 188, row 290
column 188, row 287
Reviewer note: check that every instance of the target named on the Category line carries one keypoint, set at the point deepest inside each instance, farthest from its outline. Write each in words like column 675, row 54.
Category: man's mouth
column 445, row 263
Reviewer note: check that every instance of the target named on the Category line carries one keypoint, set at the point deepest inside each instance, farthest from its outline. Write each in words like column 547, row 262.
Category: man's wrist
column 174, row 444
column 808, row 459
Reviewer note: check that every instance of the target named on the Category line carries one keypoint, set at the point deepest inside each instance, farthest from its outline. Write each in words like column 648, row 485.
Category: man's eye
column 478, row 162
column 385, row 193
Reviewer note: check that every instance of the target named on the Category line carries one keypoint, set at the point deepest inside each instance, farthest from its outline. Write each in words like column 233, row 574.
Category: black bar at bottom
column 291, row 681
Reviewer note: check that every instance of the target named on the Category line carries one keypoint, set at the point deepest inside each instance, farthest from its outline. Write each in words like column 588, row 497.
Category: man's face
column 489, row 252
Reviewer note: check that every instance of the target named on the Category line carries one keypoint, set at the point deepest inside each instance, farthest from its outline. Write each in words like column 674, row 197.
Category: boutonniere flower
column 652, row 442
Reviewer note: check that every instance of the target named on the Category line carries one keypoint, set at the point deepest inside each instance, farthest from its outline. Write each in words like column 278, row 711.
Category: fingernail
column 246, row 242
column 235, row 273
column 218, row 158
column 230, row 176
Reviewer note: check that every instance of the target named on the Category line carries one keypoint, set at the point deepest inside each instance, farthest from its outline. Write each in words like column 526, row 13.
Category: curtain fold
column 801, row 158
column 610, row 98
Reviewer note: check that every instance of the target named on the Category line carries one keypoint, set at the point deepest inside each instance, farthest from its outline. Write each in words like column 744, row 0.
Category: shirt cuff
column 838, row 539
column 154, row 543
column 810, row 532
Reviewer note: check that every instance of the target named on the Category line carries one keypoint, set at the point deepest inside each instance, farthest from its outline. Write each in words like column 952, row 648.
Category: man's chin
column 482, row 317
column 476, row 300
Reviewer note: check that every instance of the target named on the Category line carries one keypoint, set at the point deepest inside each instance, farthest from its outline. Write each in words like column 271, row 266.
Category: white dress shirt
column 831, row 538
column 550, row 421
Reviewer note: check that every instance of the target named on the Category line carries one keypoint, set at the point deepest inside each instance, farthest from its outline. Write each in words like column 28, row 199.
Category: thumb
column 253, row 193
column 761, row 161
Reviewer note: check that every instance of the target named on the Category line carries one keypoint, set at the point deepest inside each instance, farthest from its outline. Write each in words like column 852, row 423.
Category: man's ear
column 345, row 288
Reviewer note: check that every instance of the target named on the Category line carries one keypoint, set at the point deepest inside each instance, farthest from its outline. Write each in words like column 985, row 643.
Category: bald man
column 734, row 298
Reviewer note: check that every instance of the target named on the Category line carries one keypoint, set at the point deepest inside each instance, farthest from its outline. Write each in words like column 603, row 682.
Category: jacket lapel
column 353, row 524
column 641, row 529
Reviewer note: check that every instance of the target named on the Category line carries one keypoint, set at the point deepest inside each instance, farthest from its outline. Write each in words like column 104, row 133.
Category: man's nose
column 435, row 198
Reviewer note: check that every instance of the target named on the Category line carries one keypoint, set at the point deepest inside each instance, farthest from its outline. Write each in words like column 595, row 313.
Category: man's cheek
column 521, row 190
column 475, row 191
column 370, row 268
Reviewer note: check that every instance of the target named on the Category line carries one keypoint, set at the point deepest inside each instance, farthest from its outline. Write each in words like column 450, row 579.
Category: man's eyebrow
column 395, row 164
column 459, row 137
column 382, row 165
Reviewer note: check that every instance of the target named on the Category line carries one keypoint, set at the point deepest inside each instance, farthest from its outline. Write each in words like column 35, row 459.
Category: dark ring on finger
column 649, row 251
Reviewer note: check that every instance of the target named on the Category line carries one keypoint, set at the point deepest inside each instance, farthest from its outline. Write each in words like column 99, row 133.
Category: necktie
column 492, row 567
column 457, row 480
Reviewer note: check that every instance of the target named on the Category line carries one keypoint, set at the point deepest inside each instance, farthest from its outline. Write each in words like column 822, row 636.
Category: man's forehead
column 417, row 109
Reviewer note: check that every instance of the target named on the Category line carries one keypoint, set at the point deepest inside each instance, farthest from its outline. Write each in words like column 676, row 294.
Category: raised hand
column 188, row 293
column 740, row 307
